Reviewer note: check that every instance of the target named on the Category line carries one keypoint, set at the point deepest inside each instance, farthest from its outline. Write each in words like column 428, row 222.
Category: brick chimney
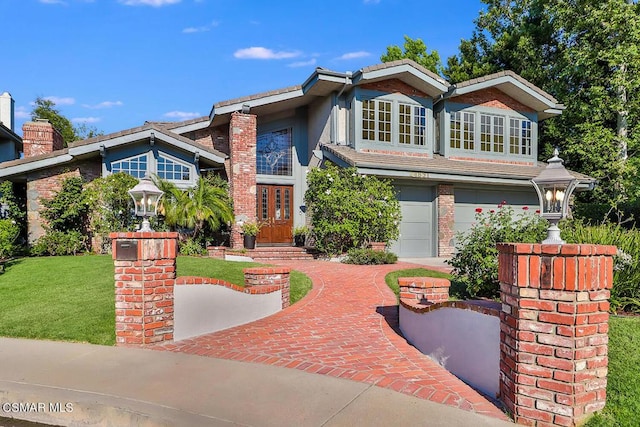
column 40, row 137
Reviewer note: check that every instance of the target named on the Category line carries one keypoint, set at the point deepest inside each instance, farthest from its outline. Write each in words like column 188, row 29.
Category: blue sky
column 116, row 63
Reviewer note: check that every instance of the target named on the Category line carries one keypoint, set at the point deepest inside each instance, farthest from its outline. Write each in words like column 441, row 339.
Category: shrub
column 192, row 247
column 57, row 243
column 625, row 294
column 476, row 260
column 363, row 256
column 349, row 210
column 67, row 210
column 111, row 207
column 9, row 233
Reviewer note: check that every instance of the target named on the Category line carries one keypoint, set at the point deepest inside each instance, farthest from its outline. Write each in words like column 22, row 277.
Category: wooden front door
column 275, row 212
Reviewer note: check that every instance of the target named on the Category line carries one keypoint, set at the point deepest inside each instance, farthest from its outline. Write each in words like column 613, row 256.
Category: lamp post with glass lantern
column 145, row 197
column 554, row 186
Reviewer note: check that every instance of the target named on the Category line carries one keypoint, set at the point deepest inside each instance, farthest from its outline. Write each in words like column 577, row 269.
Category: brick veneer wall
column 491, row 97
column 553, row 332
column 40, row 138
column 446, row 220
column 424, row 289
column 394, row 86
column 44, row 184
column 242, row 183
column 144, row 288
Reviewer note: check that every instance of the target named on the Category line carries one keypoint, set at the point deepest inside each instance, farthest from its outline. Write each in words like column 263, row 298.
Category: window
column 137, row 166
column 376, row 120
column 491, row 133
column 462, row 130
column 412, row 124
column 520, row 137
column 171, row 170
column 274, row 153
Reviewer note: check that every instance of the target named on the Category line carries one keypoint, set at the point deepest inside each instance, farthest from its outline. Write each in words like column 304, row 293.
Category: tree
column 416, row 50
column 46, row 109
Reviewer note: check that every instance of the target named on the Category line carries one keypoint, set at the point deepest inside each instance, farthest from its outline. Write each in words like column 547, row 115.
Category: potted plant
column 300, row 235
column 250, row 230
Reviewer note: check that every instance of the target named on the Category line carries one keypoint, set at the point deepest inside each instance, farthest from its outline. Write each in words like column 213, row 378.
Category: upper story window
column 487, row 133
column 136, row 166
column 393, row 122
column 171, row 170
column 274, row 153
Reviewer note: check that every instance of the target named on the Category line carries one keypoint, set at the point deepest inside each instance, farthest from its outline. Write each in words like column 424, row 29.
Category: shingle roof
column 257, row 96
column 439, row 164
column 507, row 73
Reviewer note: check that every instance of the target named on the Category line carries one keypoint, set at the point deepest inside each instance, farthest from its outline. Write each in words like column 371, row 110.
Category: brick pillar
column 424, row 289
column 242, row 154
column 40, row 137
column 553, row 330
column 272, row 276
column 145, row 273
column 446, row 220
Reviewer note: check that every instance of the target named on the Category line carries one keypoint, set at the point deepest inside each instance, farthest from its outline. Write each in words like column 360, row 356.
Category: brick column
column 40, row 137
column 242, row 154
column 278, row 277
column 446, row 220
column 145, row 273
column 424, row 289
column 553, row 330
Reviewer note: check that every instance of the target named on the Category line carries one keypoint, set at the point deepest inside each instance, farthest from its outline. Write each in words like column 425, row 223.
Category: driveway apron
column 346, row 327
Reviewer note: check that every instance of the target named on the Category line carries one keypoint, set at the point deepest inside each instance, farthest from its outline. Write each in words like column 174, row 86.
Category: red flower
column 492, row 211
column 504, row 202
column 478, row 210
column 537, row 211
column 525, row 208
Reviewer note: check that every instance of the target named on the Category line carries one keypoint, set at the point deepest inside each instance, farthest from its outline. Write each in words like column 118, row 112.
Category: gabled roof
column 6, row 133
column 517, row 88
column 407, row 71
column 93, row 146
column 441, row 168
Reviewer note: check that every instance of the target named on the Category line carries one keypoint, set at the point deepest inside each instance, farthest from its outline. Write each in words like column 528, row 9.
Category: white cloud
column 154, row 3
column 21, row 113
column 312, row 61
column 58, row 100
column 354, row 55
column 263, row 53
column 104, row 104
column 182, row 115
column 63, row 3
column 190, row 30
column 85, row 119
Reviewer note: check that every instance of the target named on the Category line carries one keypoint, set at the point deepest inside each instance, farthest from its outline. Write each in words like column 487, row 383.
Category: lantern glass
column 145, row 197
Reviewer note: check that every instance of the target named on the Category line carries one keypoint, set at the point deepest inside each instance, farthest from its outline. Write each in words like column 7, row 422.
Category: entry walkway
column 347, row 327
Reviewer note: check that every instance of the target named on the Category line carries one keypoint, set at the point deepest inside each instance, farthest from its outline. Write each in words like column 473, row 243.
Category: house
column 449, row 149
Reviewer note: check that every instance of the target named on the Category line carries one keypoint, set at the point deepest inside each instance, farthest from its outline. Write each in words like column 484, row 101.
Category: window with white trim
column 491, row 133
column 172, row 170
column 137, row 166
column 412, row 120
column 520, row 137
column 376, row 120
column 462, row 130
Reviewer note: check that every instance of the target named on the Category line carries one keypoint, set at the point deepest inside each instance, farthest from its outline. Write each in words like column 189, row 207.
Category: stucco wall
column 201, row 309
column 465, row 342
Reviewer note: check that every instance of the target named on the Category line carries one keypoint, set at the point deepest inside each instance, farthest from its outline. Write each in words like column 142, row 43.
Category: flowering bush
column 9, row 233
column 349, row 210
column 476, row 260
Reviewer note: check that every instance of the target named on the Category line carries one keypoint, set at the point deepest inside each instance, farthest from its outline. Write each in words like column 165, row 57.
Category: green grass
column 72, row 298
column 455, row 292
column 623, row 382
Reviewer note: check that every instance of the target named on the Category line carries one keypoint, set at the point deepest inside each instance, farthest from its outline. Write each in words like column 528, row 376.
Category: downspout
column 336, row 109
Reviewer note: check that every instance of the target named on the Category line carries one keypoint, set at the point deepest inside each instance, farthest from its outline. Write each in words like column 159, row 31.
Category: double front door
column 275, row 212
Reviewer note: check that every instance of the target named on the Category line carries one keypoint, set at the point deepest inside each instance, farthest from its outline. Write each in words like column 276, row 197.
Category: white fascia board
column 435, row 176
column 111, row 143
column 191, row 127
column 389, row 72
column 501, row 80
column 269, row 99
column 38, row 164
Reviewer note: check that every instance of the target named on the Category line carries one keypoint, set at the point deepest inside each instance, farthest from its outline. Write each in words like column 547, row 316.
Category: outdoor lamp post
column 145, row 197
column 554, row 186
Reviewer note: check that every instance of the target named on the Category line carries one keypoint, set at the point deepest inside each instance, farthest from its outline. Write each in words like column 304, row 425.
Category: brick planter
column 217, row 252
column 424, row 289
column 275, row 276
column 553, row 332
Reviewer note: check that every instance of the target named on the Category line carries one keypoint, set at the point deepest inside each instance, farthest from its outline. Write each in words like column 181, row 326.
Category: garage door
column 467, row 200
column 416, row 227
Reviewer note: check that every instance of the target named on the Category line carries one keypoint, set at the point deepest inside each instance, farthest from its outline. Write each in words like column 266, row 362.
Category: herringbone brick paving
column 346, row 327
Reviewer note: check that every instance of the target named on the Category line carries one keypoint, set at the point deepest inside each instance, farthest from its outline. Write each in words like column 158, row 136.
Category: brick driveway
column 345, row 327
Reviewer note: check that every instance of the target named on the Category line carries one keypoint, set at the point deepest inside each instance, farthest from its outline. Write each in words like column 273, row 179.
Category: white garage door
column 416, row 229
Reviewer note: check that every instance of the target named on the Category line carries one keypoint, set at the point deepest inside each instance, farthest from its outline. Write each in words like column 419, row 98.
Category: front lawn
column 72, row 298
column 456, row 291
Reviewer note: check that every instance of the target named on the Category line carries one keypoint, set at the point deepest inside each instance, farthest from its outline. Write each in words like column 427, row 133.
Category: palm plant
column 193, row 208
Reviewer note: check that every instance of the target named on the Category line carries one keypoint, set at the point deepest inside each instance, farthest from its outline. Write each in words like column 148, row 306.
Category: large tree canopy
column 416, row 50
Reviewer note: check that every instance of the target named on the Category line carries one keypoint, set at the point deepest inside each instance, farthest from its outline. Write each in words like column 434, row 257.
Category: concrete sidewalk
column 109, row 386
